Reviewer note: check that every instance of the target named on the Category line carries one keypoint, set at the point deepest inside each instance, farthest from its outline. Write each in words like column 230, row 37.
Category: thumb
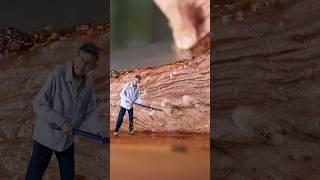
column 180, row 21
column 204, row 28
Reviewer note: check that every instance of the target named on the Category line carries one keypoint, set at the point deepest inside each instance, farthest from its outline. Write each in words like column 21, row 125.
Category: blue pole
column 142, row 105
column 83, row 133
column 91, row 135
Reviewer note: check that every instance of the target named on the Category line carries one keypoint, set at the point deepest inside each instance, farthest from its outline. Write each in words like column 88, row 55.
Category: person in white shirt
column 129, row 95
column 67, row 100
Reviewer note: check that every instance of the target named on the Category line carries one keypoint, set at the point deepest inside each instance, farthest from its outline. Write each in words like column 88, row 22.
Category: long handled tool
column 84, row 133
column 149, row 107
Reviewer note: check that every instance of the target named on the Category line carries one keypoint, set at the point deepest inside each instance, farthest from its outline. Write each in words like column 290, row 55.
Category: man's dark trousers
column 41, row 156
column 122, row 112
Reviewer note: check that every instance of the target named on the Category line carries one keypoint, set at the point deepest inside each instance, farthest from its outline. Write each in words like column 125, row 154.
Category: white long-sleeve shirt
column 59, row 101
column 129, row 95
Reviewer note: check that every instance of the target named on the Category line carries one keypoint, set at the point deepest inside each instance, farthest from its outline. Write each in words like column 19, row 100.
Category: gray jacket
column 57, row 102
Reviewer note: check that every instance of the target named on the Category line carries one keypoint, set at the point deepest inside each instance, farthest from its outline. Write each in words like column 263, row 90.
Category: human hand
column 129, row 101
column 188, row 19
column 67, row 128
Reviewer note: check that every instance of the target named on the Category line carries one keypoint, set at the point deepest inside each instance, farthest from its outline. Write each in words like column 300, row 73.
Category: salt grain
column 226, row 19
column 63, row 38
column 82, row 28
column 254, row 7
column 240, row 16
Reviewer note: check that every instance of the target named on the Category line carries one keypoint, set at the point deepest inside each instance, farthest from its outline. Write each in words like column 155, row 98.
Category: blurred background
column 137, row 23
column 140, row 35
column 36, row 14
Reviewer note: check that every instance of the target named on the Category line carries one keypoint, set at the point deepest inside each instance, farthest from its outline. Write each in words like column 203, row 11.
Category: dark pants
column 40, row 159
column 122, row 112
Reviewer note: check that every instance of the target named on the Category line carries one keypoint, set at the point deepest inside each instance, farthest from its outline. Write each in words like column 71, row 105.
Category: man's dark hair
column 90, row 48
column 138, row 77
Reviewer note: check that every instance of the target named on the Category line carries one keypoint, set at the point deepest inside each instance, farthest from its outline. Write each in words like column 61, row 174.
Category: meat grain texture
column 181, row 89
column 266, row 89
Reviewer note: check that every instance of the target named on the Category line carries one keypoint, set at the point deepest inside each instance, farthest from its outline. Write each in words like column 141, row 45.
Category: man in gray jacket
column 66, row 100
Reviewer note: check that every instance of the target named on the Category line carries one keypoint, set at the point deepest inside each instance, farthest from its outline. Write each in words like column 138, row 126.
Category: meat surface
column 181, row 89
column 265, row 60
